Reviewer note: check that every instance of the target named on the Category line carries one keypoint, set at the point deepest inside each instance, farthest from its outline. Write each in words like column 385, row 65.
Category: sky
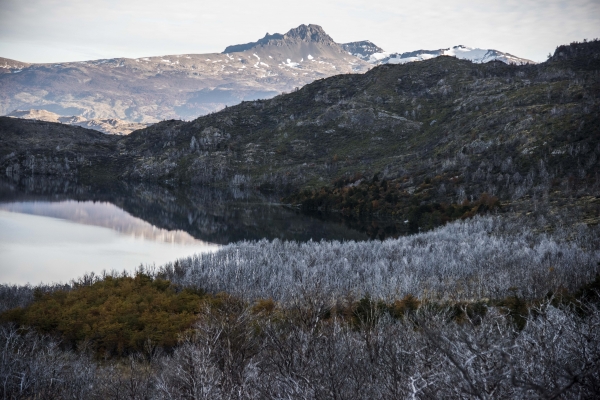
column 76, row 30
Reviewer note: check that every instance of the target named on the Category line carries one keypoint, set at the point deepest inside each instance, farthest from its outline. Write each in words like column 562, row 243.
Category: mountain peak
column 309, row 33
column 304, row 33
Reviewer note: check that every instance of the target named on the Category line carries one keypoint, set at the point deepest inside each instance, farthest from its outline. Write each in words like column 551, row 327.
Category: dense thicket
column 115, row 315
column 237, row 353
column 487, row 307
column 484, row 257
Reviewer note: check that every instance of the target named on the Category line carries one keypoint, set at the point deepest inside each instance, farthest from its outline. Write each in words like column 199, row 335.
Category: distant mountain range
column 185, row 86
column 111, row 126
column 373, row 54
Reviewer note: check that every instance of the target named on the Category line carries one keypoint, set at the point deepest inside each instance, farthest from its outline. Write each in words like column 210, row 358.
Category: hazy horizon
column 61, row 31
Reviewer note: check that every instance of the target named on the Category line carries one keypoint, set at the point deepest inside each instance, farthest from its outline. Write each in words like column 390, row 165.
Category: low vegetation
column 115, row 315
column 368, row 350
column 485, row 307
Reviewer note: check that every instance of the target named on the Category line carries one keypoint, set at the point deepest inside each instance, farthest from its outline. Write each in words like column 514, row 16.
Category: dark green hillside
column 439, row 131
column 415, row 118
column 47, row 148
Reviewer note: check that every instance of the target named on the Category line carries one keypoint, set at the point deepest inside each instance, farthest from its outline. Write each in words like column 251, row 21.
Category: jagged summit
column 304, row 33
column 309, row 33
column 303, row 48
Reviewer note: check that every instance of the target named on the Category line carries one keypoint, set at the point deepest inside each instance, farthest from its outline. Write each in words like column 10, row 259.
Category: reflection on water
column 53, row 230
column 100, row 214
column 36, row 249
column 207, row 214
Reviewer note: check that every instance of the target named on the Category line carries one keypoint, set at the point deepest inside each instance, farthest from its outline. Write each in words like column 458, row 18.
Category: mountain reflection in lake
column 101, row 214
column 53, row 230
column 36, row 248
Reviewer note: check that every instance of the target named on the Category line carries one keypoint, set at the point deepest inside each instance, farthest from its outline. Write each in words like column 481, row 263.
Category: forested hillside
column 434, row 118
column 440, row 131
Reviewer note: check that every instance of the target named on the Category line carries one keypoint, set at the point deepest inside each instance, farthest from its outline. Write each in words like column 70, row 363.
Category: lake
column 53, row 230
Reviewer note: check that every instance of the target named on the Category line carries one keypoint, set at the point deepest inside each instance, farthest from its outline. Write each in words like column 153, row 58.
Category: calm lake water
column 54, row 230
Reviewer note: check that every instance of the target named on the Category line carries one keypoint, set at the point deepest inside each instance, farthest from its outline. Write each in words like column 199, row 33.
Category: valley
column 340, row 222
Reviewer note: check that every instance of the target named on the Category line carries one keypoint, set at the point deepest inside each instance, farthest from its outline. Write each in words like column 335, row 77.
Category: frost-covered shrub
column 485, row 257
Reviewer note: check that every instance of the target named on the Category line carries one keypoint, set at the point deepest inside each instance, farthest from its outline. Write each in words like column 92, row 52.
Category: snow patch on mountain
column 475, row 55
column 291, row 64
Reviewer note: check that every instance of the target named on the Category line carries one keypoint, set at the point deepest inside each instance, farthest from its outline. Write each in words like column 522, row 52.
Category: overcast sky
column 71, row 30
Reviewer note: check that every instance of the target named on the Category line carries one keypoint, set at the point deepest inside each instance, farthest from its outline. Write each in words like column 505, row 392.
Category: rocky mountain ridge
column 362, row 49
column 184, row 86
column 8, row 66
